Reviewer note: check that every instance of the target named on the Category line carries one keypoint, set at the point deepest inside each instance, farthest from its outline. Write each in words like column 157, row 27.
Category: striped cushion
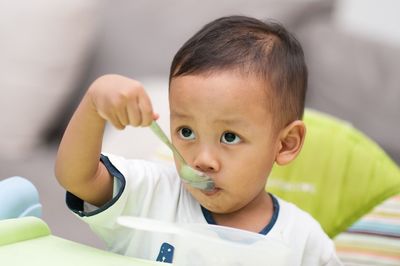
column 374, row 239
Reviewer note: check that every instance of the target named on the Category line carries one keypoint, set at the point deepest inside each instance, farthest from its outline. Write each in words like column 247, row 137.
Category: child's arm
column 117, row 99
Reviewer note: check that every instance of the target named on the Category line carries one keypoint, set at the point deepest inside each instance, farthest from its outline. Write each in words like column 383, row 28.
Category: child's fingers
column 111, row 118
column 134, row 114
column 122, row 116
column 146, row 110
column 115, row 121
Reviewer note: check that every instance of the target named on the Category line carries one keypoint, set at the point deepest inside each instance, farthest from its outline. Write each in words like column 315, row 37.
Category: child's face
column 222, row 126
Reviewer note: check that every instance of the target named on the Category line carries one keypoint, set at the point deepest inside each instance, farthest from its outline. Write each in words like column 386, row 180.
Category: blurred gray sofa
column 353, row 77
column 350, row 76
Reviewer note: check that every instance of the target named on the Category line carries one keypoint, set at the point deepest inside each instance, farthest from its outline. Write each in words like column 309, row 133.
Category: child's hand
column 121, row 101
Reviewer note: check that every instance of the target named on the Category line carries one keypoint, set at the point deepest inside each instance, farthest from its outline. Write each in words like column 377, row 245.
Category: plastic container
column 18, row 198
column 213, row 245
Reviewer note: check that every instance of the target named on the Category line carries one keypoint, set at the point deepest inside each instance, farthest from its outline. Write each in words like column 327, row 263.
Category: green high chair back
column 339, row 175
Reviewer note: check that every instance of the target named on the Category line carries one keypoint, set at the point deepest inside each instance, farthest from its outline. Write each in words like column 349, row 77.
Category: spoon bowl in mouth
column 196, row 178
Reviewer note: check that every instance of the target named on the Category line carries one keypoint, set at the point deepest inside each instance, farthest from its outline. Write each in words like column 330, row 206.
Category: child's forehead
column 224, row 93
column 220, row 86
column 246, row 80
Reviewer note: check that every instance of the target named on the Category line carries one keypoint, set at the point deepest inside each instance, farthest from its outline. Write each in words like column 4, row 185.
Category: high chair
column 339, row 175
column 25, row 239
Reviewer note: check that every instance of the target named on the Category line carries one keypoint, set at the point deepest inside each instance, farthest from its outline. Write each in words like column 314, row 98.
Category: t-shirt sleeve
column 141, row 188
column 110, row 209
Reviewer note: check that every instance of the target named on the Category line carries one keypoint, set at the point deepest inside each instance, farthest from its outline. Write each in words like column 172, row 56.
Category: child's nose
column 206, row 161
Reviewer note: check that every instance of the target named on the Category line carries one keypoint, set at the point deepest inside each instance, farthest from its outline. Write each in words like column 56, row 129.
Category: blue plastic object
column 18, row 198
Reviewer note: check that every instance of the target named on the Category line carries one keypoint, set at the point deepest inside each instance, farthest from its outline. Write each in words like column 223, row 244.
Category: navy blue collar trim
column 210, row 219
column 75, row 204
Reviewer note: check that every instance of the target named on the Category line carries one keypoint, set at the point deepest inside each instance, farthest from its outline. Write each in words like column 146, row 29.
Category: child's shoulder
column 138, row 167
column 124, row 161
column 304, row 235
column 295, row 220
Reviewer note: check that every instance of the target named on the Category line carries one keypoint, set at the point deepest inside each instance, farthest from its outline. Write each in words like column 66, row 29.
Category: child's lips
column 211, row 192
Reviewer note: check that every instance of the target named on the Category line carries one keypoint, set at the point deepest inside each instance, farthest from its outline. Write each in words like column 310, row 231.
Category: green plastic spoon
column 189, row 175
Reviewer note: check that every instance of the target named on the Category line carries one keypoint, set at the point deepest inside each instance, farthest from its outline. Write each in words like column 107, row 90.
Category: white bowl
column 213, row 245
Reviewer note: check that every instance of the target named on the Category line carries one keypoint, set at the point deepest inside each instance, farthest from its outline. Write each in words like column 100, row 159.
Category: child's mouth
column 211, row 192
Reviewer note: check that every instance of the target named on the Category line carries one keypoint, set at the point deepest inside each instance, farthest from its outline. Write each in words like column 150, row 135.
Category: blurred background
column 50, row 51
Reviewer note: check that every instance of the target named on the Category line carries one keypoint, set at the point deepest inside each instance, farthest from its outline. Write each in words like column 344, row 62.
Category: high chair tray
column 28, row 241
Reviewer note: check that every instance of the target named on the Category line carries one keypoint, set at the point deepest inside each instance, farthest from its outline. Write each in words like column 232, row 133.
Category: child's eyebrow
column 179, row 115
column 232, row 121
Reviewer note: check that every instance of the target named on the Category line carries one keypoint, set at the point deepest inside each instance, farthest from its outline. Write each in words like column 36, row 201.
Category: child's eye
column 230, row 138
column 186, row 133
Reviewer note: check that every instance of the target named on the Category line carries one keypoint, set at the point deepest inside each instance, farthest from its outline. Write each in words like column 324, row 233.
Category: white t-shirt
column 154, row 190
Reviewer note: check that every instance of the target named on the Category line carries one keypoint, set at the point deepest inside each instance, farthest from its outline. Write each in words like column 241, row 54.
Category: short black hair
column 264, row 49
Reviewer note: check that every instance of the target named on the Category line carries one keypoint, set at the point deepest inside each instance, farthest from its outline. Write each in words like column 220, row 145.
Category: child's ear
column 291, row 140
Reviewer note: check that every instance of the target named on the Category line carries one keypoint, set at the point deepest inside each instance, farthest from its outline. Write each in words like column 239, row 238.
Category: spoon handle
column 161, row 135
